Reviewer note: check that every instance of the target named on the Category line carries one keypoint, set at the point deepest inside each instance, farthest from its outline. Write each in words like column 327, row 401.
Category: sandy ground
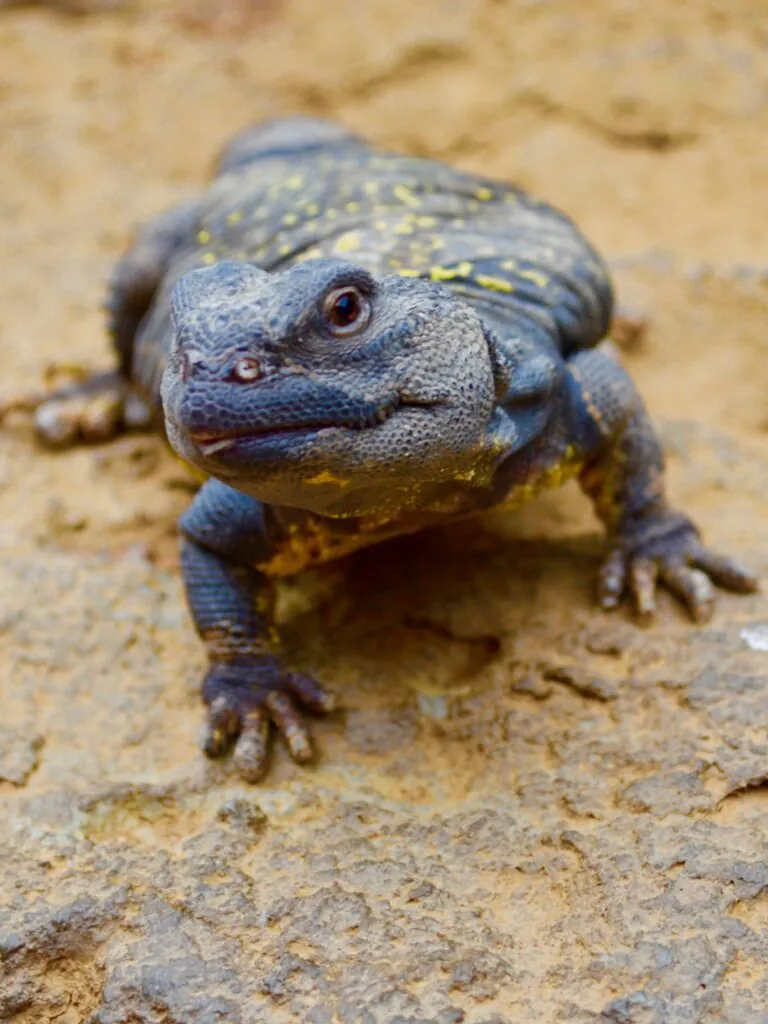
column 527, row 811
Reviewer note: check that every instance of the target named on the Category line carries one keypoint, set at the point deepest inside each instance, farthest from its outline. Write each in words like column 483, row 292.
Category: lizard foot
column 89, row 408
column 667, row 549
column 243, row 699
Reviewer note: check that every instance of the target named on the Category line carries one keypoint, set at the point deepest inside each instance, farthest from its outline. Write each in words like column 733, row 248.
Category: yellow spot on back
column 463, row 269
column 405, row 195
column 348, row 242
column 407, row 272
column 403, row 227
column 313, row 209
column 494, row 284
column 426, row 222
column 203, row 237
column 484, row 194
column 209, row 257
column 295, row 181
column 285, row 250
column 352, row 207
column 235, row 217
column 539, row 279
column 290, row 218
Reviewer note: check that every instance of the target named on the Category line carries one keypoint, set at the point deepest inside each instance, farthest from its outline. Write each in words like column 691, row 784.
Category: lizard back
column 503, row 251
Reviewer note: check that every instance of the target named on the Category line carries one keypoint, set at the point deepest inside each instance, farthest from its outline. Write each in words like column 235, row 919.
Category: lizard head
column 321, row 387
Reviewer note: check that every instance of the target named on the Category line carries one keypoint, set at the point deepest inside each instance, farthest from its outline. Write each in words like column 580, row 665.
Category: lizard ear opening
column 499, row 364
column 524, row 371
column 209, row 286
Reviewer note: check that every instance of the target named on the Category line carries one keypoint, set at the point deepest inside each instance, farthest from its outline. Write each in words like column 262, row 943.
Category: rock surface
column 527, row 810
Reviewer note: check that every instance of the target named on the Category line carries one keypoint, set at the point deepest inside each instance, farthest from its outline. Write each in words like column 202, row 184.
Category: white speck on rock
column 756, row 636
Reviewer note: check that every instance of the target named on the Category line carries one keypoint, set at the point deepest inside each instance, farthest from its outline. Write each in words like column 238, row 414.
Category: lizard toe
column 252, row 747
column 288, row 722
column 727, row 573
column 222, row 725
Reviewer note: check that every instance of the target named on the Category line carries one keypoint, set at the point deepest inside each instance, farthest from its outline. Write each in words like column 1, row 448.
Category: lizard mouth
column 210, row 443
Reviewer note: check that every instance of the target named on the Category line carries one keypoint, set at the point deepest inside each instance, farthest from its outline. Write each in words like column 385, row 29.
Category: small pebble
column 243, row 814
column 756, row 636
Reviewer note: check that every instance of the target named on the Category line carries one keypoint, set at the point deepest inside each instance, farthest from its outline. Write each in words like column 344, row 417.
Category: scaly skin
column 354, row 345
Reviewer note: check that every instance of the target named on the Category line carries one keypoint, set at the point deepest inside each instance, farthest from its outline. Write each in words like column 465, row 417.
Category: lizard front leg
column 650, row 542
column 247, row 687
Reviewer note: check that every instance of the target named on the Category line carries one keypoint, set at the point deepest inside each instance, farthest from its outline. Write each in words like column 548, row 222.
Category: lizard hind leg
column 89, row 408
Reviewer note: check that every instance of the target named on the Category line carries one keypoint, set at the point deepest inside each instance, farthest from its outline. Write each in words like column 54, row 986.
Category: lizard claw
column 668, row 551
column 245, row 699
column 89, row 408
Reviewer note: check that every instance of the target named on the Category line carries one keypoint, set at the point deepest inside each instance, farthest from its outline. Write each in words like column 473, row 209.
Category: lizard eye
column 346, row 311
column 246, row 369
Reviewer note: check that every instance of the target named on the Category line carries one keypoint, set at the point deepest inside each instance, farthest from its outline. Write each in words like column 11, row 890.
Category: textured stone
column 477, row 843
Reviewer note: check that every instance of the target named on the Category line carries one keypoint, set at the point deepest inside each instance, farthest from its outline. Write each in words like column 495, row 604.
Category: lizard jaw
column 209, row 443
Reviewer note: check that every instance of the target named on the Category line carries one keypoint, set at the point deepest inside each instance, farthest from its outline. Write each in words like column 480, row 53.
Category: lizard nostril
column 191, row 361
column 246, row 369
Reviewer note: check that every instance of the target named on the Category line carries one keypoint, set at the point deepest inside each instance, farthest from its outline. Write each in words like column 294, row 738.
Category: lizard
column 352, row 344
